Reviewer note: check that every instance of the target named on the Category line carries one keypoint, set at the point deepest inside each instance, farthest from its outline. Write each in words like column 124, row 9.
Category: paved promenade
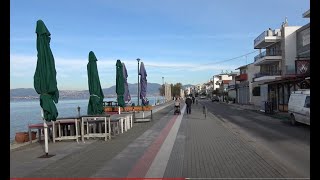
column 186, row 145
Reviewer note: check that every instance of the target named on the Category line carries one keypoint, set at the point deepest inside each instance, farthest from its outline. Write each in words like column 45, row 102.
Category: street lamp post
column 138, row 81
column 163, row 86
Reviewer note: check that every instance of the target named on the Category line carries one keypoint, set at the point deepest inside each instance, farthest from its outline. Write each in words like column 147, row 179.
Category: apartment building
column 232, row 91
column 285, row 52
column 222, row 83
column 244, row 85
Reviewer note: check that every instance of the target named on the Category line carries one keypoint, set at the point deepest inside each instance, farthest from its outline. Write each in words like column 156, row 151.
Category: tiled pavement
column 189, row 146
column 205, row 148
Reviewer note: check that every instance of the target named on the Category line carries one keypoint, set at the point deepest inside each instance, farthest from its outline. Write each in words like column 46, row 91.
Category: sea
column 24, row 112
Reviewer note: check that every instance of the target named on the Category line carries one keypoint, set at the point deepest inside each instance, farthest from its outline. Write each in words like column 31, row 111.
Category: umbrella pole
column 45, row 137
column 45, row 128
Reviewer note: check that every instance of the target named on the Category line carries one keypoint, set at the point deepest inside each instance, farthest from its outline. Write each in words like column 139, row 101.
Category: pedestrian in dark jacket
column 188, row 102
column 193, row 98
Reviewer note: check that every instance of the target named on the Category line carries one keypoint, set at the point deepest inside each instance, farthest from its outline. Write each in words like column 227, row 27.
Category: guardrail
column 270, row 73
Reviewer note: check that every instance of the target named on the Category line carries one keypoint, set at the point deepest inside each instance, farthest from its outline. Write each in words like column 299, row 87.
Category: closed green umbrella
column 95, row 105
column 120, row 84
column 45, row 82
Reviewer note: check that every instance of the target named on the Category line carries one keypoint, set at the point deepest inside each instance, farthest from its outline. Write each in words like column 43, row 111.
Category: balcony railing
column 261, row 36
column 242, row 77
column 268, row 73
column 267, row 53
column 266, row 33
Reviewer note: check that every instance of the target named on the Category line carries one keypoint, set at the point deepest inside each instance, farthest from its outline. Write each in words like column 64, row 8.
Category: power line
column 221, row 61
column 214, row 62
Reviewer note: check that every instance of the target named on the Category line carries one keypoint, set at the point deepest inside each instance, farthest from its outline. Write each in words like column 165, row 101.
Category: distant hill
column 188, row 85
column 30, row 93
column 152, row 89
column 23, row 92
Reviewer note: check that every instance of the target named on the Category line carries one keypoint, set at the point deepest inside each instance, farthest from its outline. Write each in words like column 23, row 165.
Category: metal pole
column 45, row 128
column 163, row 86
column 138, row 81
column 78, row 111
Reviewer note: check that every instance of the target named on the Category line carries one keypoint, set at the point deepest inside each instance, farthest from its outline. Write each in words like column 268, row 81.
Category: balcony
column 267, row 75
column 267, row 57
column 242, row 77
column 267, row 38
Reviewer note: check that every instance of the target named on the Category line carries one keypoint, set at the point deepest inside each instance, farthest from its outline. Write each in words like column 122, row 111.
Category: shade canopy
column 143, row 84
column 126, row 95
column 120, row 84
column 95, row 105
column 45, row 82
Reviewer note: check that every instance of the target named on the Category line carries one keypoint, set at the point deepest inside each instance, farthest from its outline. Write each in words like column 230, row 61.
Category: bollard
column 78, row 111
column 204, row 109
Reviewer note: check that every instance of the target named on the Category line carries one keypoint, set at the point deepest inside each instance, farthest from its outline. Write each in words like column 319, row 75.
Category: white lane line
column 160, row 162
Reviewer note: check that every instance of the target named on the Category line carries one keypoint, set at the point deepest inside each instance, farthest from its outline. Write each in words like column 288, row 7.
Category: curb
column 275, row 115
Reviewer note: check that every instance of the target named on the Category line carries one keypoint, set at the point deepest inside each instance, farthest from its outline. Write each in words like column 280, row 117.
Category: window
column 307, row 103
column 256, row 91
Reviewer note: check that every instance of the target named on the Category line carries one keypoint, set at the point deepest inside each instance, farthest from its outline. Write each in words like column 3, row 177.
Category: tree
column 175, row 89
column 161, row 90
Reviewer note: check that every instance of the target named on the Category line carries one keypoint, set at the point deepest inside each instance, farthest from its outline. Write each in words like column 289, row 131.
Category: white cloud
column 76, row 69
column 150, row 37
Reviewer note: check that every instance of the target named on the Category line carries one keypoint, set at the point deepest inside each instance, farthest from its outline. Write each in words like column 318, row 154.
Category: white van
column 299, row 106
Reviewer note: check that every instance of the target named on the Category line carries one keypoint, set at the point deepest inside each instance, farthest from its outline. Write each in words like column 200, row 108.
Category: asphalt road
column 288, row 144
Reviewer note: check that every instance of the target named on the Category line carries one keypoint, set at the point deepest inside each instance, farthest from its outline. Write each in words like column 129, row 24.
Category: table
column 125, row 120
column 130, row 119
column 115, row 125
column 39, row 127
column 72, row 121
column 102, row 119
column 143, row 118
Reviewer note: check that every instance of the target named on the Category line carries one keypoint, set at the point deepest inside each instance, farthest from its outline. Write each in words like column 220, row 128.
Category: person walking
column 193, row 98
column 188, row 102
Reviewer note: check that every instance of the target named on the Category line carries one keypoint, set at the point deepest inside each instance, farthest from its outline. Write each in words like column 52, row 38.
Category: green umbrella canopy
column 95, row 105
column 45, row 82
column 120, row 84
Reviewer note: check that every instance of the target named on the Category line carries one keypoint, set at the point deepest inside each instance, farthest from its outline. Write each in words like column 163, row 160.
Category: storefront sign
column 302, row 66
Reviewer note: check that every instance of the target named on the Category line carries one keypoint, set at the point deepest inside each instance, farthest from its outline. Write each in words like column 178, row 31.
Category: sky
column 186, row 41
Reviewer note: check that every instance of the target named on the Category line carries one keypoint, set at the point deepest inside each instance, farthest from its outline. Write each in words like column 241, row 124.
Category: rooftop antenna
column 286, row 20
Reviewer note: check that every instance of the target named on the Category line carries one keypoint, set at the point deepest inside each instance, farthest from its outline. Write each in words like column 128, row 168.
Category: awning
column 288, row 79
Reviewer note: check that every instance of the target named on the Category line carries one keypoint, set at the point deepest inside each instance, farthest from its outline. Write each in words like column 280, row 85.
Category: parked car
column 299, row 107
column 215, row 98
column 203, row 97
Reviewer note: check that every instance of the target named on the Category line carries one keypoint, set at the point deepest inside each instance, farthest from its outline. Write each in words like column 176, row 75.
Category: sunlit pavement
column 187, row 145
